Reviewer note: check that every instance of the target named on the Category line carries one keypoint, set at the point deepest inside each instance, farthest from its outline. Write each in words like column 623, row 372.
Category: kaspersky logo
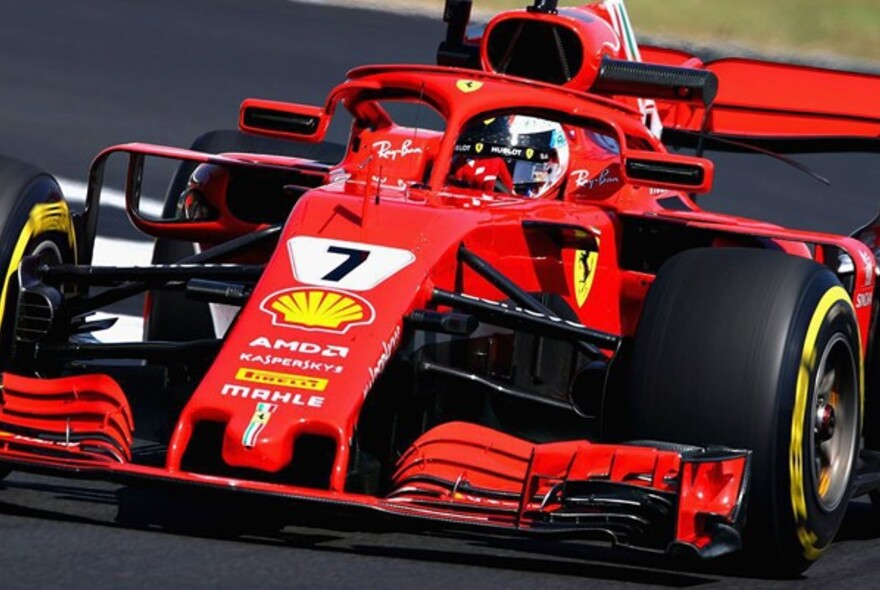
column 320, row 310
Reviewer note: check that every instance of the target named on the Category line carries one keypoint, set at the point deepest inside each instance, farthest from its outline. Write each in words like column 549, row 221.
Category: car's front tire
column 34, row 220
column 757, row 350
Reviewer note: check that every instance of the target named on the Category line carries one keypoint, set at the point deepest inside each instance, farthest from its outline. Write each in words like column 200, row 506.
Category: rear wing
column 592, row 49
column 770, row 99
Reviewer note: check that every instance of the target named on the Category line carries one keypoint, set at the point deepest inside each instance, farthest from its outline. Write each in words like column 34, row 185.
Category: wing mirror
column 670, row 171
column 223, row 196
column 284, row 120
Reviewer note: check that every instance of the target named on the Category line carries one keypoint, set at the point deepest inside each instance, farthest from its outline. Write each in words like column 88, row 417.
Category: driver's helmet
column 207, row 184
column 526, row 155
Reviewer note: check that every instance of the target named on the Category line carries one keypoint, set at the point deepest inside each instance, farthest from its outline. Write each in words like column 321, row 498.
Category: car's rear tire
column 753, row 349
column 34, row 220
column 170, row 315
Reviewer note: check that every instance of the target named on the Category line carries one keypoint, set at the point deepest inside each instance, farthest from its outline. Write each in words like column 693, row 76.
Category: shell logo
column 322, row 310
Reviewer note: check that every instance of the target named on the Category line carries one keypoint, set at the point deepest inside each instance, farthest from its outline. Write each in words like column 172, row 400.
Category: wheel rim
column 48, row 252
column 834, row 415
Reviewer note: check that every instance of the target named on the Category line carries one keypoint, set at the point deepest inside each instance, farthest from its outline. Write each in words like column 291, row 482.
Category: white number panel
column 344, row 265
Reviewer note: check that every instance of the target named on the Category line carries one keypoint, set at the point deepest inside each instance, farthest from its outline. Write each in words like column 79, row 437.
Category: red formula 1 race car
column 504, row 313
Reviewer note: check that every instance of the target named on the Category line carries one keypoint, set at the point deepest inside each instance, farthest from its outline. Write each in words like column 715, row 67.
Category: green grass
column 843, row 27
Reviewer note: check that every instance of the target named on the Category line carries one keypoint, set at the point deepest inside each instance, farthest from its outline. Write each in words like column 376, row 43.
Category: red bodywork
column 303, row 356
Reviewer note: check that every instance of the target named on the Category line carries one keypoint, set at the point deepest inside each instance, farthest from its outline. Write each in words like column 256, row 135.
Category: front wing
column 645, row 494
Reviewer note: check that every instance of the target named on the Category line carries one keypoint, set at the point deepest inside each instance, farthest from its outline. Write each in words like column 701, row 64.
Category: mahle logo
column 321, row 310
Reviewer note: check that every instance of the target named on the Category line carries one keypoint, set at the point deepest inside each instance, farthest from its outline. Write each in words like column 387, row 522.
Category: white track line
column 399, row 6
column 128, row 328
column 137, row 251
column 407, row 7
column 75, row 192
column 119, row 252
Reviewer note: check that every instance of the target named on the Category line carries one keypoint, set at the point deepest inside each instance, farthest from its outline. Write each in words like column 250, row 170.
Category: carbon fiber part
column 630, row 78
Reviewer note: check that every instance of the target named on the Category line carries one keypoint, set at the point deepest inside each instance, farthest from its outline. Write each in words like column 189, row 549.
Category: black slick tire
column 742, row 348
column 34, row 220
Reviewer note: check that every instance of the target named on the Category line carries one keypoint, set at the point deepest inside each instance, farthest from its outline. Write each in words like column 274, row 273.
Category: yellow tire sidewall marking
column 807, row 538
column 43, row 217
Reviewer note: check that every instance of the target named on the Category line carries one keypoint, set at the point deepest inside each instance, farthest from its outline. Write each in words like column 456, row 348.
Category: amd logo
column 328, row 350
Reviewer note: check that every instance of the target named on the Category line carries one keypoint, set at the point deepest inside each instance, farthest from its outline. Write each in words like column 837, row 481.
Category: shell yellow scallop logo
column 323, row 310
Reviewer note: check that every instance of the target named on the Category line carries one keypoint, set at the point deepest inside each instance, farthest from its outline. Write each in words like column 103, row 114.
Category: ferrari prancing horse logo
column 468, row 86
column 584, row 272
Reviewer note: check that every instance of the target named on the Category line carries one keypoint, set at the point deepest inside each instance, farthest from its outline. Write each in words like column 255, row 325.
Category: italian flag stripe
column 621, row 23
column 629, row 38
column 258, row 422
column 250, row 434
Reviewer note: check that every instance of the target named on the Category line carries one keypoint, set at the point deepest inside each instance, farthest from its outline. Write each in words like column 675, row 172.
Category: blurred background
column 845, row 28
column 78, row 76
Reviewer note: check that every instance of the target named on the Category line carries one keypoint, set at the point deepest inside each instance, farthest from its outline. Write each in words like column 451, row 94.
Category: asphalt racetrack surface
column 78, row 76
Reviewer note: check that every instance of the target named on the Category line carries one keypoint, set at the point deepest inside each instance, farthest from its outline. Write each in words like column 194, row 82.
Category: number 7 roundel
column 344, row 265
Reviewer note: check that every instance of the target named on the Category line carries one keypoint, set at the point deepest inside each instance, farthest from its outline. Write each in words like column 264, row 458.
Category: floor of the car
column 148, row 452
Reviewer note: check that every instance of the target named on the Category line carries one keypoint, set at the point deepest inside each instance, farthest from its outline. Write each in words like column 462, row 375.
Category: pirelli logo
column 282, row 379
